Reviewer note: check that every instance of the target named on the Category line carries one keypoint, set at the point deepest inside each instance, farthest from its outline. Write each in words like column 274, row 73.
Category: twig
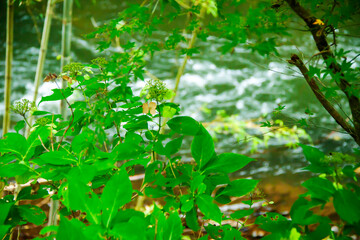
column 72, row 117
column 43, row 143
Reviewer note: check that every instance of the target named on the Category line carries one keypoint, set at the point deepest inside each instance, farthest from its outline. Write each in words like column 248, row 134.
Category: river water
column 242, row 83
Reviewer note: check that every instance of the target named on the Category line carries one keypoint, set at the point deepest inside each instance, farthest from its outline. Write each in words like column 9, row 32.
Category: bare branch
column 295, row 60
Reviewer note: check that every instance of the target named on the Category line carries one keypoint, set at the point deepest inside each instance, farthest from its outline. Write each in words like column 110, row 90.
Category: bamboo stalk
column 181, row 69
column 42, row 53
column 65, row 59
column 8, row 63
column 65, row 46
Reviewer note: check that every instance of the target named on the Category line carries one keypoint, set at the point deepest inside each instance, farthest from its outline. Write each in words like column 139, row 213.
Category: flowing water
column 242, row 83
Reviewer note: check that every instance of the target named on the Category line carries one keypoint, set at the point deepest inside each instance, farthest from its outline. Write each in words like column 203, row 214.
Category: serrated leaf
column 117, row 193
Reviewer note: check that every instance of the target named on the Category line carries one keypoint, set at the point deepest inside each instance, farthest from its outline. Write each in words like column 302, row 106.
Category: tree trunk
column 323, row 46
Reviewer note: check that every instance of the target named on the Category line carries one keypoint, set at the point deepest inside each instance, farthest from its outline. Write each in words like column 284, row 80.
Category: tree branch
column 323, row 46
column 295, row 60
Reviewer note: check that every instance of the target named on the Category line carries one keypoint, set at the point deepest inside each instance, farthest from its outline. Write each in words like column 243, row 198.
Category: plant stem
column 42, row 54
column 65, row 46
column 72, row 117
column 183, row 65
column 27, row 123
column 8, row 63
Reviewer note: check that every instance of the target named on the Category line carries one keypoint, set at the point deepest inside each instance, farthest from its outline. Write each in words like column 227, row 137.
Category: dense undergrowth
column 111, row 133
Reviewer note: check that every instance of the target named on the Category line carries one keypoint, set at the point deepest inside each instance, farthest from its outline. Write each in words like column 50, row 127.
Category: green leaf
column 159, row 148
column 187, row 203
column 184, row 125
column 173, row 228
column 39, row 113
column 32, row 213
column 156, row 192
column 117, row 193
column 80, row 197
column 137, row 124
column 313, row 155
column 126, row 150
column 133, row 229
column 228, row 163
column 19, row 125
column 222, row 199
column 5, row 209
column 202, row 148
column 167, row 111
column 57, row 158
column 4, row 230
column 14, row 143
column 242, row 213
column 321, row 232
column 239, row 187
column 34, row 140
column 152, row 171
column 27, row 194
column 208, row 208
column 49, row 229
column 134, row 138
column 82, row 142
column 232, row 233
column 192, row 219
column 70, row 230
column 294, row 234
column 57, row 95
column 347, row 205
column 266, row 47
column 319, row 188
column 273, row 222
column 13, row 169
column 173, row 146
column 300, row 213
